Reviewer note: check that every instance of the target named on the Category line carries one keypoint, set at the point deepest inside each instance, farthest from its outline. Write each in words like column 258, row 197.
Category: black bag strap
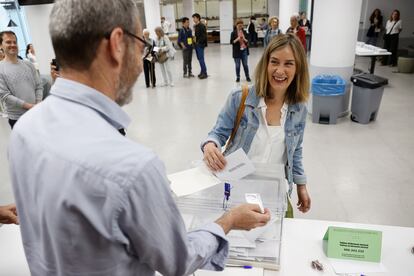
column 392, row 27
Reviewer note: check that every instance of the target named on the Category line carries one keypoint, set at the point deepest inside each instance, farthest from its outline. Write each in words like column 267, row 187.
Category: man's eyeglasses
column 108, row 35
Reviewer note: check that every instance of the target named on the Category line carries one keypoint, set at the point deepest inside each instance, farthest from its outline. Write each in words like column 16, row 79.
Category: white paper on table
column 191, row 181
column 349, row 266
column 238, row 166
column 232, row 271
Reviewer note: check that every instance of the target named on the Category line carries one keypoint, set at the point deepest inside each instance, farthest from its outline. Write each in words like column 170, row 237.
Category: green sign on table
column 353, row 244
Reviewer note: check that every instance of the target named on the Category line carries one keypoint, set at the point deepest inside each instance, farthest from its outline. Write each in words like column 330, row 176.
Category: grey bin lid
column 366, row 80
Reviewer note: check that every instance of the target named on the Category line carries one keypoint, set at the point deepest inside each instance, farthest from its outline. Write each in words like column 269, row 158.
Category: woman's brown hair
column 298, row 90
column 398, row 15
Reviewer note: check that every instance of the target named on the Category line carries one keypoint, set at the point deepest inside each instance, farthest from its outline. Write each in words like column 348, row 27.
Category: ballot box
column 259, row 247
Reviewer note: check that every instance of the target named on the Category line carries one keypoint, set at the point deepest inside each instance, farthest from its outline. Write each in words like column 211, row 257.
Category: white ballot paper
column 191, row 181
column 238, row 166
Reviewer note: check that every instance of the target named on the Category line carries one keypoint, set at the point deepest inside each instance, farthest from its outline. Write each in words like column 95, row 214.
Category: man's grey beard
column 124, row 89
column 123, row 94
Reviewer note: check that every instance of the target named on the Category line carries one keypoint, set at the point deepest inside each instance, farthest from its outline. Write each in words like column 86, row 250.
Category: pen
column 240, row 266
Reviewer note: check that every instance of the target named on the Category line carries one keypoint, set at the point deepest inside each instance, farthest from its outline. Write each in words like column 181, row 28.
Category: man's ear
column 116, row 45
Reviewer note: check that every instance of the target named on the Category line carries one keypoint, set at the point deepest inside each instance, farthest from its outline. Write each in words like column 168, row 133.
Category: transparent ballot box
column 259, row 247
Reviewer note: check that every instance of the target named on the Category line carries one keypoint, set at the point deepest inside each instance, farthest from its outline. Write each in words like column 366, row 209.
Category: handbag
column 162, row 57
column 240, row 111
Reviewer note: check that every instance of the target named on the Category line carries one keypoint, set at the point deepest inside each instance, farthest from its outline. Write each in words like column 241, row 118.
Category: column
column 188, row 10
column 273, row 8
column 226, row 21
column 152, row 15
column 37, row 18
column 286, row 9
column 333, row 45
column 168, row 11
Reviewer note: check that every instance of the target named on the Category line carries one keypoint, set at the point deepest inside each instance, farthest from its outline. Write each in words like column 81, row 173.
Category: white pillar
column 286, row 9
column 309, row 10
column 333, row 45
column 152, row 15
column 226, row 21
column 188, row 10
column 37, row 18
column 273, row 8
column 168, row 11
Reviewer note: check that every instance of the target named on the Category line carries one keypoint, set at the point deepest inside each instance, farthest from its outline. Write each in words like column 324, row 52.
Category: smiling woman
column 272, row 125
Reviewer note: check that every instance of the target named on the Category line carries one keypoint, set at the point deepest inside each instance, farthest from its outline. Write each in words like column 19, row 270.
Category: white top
column 166, row 26
column 268, row 145
column 32, row 58
column 397, row 28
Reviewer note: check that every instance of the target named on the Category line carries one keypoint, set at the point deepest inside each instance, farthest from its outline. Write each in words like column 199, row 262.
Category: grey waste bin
column 327, row 95
column 366, row 97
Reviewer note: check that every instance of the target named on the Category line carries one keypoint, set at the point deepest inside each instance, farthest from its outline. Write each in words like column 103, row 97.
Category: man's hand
column 243, row 217
column 304, row 200
column 27, row 106
column 213, row 157
column 8, row 214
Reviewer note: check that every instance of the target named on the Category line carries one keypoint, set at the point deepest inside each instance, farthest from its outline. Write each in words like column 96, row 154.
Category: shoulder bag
column 240, row 111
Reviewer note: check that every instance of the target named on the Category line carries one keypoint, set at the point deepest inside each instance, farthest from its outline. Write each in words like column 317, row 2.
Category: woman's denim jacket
column 294, row 128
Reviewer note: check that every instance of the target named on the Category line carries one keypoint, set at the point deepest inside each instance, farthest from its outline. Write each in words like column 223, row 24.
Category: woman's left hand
column 304, row 200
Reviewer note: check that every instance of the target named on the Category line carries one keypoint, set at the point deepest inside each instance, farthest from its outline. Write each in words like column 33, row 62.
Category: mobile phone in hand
column 55, row 63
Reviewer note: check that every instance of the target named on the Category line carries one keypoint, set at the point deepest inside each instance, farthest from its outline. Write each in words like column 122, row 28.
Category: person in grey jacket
column 20, row 85
column 273, row 123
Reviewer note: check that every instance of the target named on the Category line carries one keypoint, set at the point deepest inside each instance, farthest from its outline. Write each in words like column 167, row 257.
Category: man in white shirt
column 91, row 201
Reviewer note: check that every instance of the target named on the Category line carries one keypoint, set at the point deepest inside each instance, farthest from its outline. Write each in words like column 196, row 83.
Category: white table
column 366, row 50
column 302, row 243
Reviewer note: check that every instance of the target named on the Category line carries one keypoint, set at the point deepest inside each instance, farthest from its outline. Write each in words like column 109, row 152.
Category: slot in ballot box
column 259, row 247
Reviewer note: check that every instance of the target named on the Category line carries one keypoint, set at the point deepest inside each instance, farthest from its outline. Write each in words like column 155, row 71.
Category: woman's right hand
column 213, row 157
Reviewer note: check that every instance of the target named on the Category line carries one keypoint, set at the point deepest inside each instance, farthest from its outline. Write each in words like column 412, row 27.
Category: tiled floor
column 356, row 173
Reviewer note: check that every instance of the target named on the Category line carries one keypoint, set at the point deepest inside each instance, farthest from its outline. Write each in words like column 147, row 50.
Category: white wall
column 168, row 11
column 37, row 18
column 152, row 15
column 273, row 7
